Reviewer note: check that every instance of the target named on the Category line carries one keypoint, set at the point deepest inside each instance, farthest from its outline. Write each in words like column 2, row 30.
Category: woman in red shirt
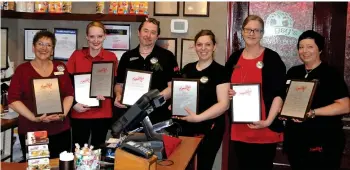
column 254, row 145
column 20, row 96
column 91, row 121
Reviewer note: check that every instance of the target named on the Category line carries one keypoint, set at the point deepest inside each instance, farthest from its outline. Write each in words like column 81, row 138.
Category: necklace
column 307, row 72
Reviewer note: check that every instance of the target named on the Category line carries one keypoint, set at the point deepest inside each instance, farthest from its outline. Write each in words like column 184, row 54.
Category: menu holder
column 137, row 83
column 102, row 79
column 82, row 82
column 184, row 94
column 47, row 96
column 246, row 103
column 299, row 98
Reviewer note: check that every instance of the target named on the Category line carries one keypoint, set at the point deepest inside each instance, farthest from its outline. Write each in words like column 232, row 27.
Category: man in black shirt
column 147, row 56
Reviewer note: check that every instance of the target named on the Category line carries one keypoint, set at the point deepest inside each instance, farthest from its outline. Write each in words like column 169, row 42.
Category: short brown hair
column 253, row 18
column 95, row 24
column 45, row 34
column 204, row 33
column 153, row 21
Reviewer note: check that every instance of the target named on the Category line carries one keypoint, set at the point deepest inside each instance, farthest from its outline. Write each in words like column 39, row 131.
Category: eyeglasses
column 41, row 44
column 248, row 30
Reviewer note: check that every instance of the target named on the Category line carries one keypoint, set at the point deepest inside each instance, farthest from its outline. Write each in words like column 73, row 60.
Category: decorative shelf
column 73, row 17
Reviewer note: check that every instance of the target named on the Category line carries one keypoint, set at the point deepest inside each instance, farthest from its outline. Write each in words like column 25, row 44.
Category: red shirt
column 248, row 72
column 21, row 90
column 80, row 62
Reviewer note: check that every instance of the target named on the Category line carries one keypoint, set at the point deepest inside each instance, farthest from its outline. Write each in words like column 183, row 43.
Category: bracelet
column 313, row 113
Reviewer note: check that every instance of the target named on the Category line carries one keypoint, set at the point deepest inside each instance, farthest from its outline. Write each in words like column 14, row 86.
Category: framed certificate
column 47, row 96
column 4, row 48
column 82, row 90
column 28, row 42
column 166, row 8
column 246, row 104
column 136, row 84
column 299, row 98
column 188, row 52
column 184, row 94
column 196, row 9
column 66, row 43
column 117, row 37
column 102, row 79
column 168, row 43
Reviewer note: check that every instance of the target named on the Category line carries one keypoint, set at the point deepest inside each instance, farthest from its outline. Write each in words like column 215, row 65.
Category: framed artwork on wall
column 117, row 37
column 29, row 34
column 4, row 48
column 166, row 8
column 169, row 44
column 66, row 43
column 188, row 52
column 196, row 9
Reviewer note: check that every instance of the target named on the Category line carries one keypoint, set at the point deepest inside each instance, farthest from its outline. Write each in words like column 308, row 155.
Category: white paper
column 28, row 44
column 136, row 85
column 246, row 103
column 82, row 90
column 66, row 43
column 117, row 37
column 189, row 54
column 184, row 95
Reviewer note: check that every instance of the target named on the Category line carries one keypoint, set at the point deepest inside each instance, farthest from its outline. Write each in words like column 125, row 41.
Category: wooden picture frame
column 4, row 48
column 29, row 34
column 169, row 44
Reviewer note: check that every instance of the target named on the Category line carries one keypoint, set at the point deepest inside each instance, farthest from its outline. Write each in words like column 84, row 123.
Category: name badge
column 58, row 73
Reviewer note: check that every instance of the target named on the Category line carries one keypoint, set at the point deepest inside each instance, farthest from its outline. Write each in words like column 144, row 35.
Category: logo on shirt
column 60, row 68
column 204, row 79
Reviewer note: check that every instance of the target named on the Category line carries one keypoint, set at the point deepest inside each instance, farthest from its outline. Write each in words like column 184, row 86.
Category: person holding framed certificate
column 213, row 99
column 254, row 143
column 319, row 141
column 87, row 120
column 148, row 56
column 23, row 89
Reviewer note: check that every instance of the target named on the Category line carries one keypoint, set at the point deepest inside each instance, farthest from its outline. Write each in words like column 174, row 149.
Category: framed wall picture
column 169, row 44
column 66, row 43
column 166, row 8
column 197, row 9
column 118, row 53
column 117, row 37
column 188, row 52
column 28, row 42
column 4, row 48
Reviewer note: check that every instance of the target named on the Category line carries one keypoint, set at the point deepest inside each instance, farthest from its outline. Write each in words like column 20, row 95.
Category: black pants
column 57, row 144
column 211, row 142
column 251, row 156
column 83, row 128
column 326, row 156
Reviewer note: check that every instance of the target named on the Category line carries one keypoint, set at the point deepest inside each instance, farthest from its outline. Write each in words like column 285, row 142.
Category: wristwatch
column 313, row 113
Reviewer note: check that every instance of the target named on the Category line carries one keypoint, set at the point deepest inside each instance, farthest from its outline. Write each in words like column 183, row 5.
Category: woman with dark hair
column 213, row 100
column 20, row 96
column 254, row 145
column 318, row 142
column 87, row 121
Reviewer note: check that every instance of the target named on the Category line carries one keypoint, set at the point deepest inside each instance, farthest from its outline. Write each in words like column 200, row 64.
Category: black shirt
column 216, row 74
column 163, row 65
column 331, row 87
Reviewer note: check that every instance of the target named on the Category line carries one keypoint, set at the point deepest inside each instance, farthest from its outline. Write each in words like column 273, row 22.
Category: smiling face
column 43, row 48
column 95, row 37
column 252, row 33
column 205, row 47
column 148, row 34
column 309, row 52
